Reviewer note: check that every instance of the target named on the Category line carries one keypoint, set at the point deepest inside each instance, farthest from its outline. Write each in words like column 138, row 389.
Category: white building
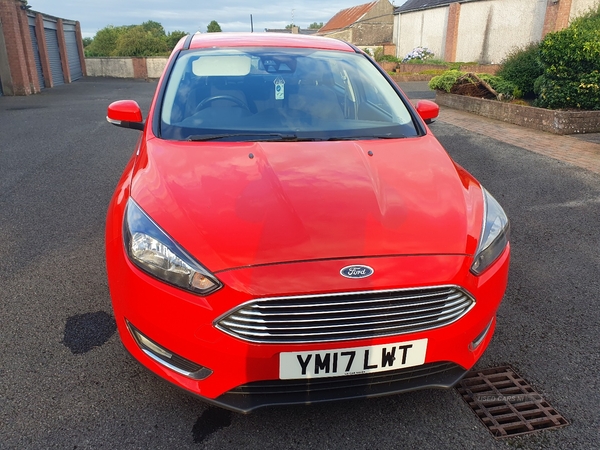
column 482, row 31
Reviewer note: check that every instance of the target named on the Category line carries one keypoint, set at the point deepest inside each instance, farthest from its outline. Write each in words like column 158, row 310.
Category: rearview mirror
column 428, row 110
column 126, row 114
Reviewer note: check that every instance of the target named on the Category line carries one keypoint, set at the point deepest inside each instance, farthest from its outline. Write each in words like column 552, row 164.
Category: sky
column 194, row 15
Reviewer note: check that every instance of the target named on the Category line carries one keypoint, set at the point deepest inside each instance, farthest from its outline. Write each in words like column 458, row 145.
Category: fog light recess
column 479, row 339
column 167, row 358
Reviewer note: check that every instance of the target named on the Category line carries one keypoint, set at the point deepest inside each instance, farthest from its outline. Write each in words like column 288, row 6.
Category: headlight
column 153, row 251
column 494, row 236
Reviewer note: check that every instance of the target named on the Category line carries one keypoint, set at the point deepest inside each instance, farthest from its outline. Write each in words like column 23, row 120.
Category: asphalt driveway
column 66, row 381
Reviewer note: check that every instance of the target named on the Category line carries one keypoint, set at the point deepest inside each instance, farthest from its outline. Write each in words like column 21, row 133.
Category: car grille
column 288, row 392
column 346, row 316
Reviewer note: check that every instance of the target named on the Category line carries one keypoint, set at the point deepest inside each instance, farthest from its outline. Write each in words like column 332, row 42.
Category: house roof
column 416, row 5
column 347, row 17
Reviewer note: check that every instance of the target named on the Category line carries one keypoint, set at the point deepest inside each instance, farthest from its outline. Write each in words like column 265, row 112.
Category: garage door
column 53, row 52
column 73, row 52
column 36, row 52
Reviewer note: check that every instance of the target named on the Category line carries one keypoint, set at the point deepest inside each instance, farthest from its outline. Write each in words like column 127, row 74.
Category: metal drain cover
column 507, row 404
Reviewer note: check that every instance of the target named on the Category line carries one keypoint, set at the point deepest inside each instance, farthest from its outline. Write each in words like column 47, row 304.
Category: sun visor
column 222, row 66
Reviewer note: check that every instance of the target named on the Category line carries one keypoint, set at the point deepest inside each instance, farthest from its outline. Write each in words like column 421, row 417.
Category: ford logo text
column 357, row 271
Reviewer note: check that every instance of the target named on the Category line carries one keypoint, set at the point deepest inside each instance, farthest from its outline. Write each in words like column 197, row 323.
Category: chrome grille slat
column 329, row 304
column 379, row 312
column 350, row 323
column 346, row 316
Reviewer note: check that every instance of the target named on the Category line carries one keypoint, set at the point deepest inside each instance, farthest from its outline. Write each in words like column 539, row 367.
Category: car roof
column 208, row 40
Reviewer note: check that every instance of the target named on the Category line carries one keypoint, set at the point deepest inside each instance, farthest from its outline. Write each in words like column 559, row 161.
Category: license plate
column 351, row 361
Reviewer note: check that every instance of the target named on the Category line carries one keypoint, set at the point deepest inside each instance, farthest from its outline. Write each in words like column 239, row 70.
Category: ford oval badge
column 357, row 271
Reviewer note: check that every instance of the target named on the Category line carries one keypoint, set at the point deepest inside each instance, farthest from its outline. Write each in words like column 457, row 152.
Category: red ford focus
column 289, row 231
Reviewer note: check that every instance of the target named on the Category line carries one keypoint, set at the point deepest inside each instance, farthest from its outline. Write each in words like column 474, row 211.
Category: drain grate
column 507, row 404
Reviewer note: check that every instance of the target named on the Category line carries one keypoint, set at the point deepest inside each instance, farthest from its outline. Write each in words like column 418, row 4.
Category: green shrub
column 388, row 58
column 507, row 88
column 571, row 60
column 522, row 67
column 445, row 81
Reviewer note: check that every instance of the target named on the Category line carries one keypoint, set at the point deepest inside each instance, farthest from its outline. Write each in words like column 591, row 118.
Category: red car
column 288, row 230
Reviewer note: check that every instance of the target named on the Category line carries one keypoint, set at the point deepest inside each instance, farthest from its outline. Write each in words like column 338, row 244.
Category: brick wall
column 557, row 16
column 18, row 72
column 389, row 49
column 19, row 60
column 452, row 32
column 553, row 121
column 117, row 67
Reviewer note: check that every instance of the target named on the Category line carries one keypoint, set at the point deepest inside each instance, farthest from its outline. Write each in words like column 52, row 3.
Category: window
column 256, row 93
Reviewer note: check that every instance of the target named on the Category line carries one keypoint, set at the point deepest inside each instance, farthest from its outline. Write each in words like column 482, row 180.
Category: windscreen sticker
column 279, row 88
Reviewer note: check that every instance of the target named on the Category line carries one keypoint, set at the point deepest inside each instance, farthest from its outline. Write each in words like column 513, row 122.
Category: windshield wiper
column 254, row 137
column 366, row 137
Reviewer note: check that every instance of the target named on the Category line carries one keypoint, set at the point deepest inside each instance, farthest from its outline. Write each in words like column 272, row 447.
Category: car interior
column 275, row 93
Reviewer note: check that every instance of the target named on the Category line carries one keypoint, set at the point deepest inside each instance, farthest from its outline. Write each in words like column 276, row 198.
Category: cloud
column 191, row 16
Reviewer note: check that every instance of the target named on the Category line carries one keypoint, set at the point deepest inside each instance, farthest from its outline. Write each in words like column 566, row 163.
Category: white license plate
column 351, row 361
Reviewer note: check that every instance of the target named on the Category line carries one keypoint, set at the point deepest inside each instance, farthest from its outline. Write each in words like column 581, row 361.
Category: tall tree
column 213, row 27
column 155, row 28
column 315, row 26
column 173, row 38
column 147, row 39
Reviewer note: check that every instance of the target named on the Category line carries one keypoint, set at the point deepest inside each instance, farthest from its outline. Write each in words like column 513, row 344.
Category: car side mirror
column 428, row 110
column 126, row 114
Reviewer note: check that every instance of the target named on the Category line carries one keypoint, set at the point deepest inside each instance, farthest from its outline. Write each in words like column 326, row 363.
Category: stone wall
column 475, row 68
column 116, row 67
column 377, row 27
column 552, row 121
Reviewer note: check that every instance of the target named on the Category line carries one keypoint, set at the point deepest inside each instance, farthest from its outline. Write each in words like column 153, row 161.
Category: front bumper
column 258, row 394
column 245, row 375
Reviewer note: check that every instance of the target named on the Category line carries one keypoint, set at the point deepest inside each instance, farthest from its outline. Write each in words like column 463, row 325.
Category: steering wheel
column 204, row 103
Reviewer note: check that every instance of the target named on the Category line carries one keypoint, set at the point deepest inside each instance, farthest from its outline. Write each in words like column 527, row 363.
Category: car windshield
column 271, row 94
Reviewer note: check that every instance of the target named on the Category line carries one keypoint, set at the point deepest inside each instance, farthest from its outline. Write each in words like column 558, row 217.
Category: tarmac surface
column 67, row 382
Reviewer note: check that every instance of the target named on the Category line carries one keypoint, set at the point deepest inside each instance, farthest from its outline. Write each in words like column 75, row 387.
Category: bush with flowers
column 418, row 54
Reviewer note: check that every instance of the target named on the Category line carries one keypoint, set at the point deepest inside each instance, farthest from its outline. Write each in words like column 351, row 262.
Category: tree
column 213, row 27
column 290, row 26
column 105, row 41
column 87, row 41
column 173, row 38
column 154, row 28
column 138, row 41
column 147, row 39
column 315, row 26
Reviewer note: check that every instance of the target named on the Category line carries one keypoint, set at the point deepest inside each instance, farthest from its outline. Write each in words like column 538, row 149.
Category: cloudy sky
column 194, row 15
